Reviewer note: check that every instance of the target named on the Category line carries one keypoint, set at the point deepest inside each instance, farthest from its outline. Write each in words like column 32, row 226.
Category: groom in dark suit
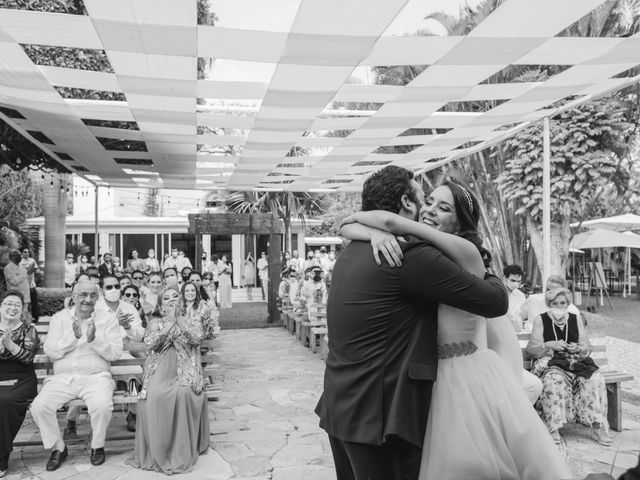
column 382, row 324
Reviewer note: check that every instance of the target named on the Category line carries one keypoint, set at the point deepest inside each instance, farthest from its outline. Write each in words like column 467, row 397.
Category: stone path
column 263, row 426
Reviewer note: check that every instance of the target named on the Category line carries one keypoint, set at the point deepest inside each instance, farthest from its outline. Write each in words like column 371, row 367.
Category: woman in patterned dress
column 172, row 423
column 18, row 345
column 566, row 397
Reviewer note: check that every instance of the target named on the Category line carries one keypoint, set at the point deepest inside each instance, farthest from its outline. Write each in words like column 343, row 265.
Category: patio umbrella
column 600, row 238
column 619, row 223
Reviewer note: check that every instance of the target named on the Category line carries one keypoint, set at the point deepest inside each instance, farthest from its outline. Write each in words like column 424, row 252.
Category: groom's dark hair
column 384, row 189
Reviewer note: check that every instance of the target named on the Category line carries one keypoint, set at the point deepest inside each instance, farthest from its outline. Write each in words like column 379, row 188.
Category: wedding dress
column 481, row 423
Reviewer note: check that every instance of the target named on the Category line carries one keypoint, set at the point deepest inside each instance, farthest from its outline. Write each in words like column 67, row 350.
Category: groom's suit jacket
column 382, row 324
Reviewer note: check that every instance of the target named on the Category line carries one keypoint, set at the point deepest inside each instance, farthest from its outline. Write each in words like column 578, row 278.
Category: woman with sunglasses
column 173, row 423
column 131, row 295
column 18, row 384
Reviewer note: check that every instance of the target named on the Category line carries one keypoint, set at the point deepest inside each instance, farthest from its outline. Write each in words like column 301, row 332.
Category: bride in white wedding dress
column 481, row 424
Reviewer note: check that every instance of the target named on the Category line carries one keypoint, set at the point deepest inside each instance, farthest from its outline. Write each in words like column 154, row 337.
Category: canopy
column 619, row 223
column 302, row 88
column 600, row 238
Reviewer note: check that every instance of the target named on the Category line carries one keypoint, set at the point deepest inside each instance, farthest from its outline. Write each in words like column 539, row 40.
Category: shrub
column 51, row 300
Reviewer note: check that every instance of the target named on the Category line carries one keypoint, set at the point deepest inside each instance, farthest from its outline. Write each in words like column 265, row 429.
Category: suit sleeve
column 427, row 273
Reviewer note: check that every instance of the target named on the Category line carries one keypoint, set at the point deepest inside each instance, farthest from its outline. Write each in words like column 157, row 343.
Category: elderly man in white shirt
column 81, row 343
column 130, row 329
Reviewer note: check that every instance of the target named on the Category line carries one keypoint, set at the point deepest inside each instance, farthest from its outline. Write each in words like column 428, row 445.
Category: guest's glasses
column 111, row 287
column 12, row 304
column 138, row 278
column 131, row 295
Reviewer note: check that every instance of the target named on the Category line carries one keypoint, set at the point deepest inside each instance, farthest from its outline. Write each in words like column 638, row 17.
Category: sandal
column 556, row 436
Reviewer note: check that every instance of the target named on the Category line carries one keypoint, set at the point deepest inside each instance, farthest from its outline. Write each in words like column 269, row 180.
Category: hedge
column 51, row 300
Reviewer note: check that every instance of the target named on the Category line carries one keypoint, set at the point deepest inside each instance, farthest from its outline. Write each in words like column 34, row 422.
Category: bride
column 481, row 424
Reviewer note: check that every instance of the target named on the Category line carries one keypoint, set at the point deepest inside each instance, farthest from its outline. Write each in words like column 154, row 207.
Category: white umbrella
column 600, row 238
column 619, row 223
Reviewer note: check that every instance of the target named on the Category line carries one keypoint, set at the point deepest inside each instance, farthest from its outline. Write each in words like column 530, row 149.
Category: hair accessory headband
column 468, row 195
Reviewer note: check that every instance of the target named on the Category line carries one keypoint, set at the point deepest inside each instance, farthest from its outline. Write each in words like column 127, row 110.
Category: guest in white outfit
column 512, row 280
column 81, row 342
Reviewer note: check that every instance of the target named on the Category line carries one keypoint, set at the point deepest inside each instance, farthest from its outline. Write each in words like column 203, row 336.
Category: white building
column 122, row 226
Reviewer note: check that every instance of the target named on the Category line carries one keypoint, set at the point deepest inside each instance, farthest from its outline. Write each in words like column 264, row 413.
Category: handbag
column 574, row 363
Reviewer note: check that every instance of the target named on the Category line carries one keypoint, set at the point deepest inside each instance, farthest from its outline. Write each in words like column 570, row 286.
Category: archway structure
column 246, row 224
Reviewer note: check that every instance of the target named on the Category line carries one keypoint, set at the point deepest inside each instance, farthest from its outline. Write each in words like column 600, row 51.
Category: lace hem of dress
column 456, row 349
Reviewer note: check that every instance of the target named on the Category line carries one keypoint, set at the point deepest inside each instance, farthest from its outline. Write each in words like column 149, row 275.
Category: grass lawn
column 246, row 315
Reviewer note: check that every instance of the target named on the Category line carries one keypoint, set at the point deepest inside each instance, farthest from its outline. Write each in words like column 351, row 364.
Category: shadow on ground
column 245, row 315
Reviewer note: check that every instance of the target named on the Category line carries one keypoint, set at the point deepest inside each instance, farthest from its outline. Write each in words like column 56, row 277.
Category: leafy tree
column 588, row 147
column 20, row 195
column 339, row 206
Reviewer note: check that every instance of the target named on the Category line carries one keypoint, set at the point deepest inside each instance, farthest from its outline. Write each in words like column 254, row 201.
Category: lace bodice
column 457, row 326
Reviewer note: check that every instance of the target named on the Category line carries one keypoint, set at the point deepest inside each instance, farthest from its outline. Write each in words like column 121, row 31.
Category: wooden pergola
column 246, row 224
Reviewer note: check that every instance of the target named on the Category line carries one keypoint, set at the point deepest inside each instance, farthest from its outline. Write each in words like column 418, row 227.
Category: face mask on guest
column 558, row 313
column 112, row 295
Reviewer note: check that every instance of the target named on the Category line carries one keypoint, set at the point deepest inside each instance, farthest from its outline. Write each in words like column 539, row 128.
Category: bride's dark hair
column 468, row 213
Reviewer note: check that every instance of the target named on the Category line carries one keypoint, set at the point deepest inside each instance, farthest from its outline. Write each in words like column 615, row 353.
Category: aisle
column 264, row 425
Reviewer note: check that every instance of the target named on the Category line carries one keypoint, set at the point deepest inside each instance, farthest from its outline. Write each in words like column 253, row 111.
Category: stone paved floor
column 264, row 428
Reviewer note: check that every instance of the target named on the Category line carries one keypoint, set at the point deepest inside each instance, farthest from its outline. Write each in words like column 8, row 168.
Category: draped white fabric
column 269, row 91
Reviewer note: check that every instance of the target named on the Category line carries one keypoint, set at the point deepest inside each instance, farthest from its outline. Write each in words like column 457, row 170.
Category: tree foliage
column 20, row 195
column 588, row 146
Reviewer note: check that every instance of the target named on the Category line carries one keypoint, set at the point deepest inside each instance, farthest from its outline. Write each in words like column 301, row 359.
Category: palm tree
column 55, row 211
column 286, row 205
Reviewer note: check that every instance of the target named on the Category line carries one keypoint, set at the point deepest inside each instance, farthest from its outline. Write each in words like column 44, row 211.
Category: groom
column 382, row 324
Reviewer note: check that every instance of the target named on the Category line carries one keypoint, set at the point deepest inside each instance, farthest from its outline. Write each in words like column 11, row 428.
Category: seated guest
column 131, row 295
column 173, row 388
column 125, row 281
column 136, row 348
column 118, row 269
column 573, row 391
column 149, row 293
column 81, row 343
column 313, row 293
column 535, row 304
column 170, row 277
column 137, row 277
column 18, row 382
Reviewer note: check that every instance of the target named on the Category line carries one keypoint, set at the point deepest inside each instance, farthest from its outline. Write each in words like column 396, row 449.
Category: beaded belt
column 450, row 350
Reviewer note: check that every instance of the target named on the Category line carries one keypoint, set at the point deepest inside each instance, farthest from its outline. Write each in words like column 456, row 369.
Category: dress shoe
column 56, row 459
column 70, row 431
column 131, row 422
column 601, row 436
column 97, row 456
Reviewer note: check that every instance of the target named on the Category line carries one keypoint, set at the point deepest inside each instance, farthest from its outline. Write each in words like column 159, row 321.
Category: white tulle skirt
column 482, row 426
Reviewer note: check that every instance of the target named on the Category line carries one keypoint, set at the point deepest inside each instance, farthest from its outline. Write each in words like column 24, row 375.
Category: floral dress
column 567, row 397
column 172, row 422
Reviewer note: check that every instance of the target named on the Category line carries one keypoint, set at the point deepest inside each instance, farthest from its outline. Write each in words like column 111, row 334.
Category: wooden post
column 274, row 271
